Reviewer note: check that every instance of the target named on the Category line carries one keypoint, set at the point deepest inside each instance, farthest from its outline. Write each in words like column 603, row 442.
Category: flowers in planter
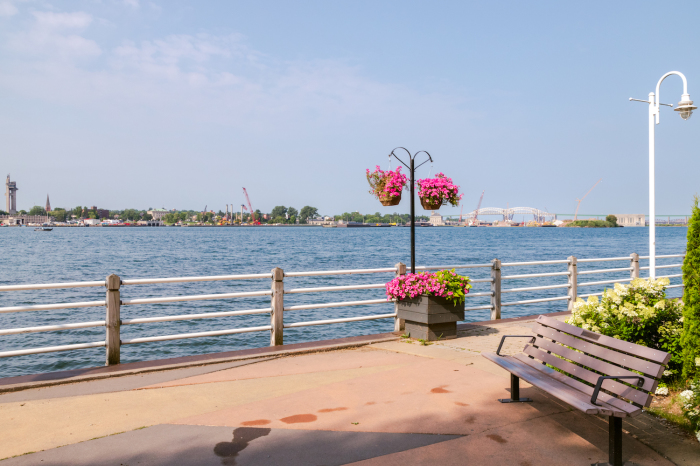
column 387, row 185
column 639, row 313
column 434, row 192
column 443, row 284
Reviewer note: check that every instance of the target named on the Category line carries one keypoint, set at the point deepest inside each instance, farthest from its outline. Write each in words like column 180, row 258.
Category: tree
column 690, row 338
column 279, row 211
column 59, row 215
column 292, row 212
column 2, row 212
column 611, row 219
column 307, row 212
column 37, row 210
column 150, row 217
column 23, row 212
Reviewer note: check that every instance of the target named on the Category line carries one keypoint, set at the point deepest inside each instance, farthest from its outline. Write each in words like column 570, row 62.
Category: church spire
column 48, row 204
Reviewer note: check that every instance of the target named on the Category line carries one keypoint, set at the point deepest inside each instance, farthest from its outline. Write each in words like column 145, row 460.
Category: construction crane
column 250, row 207
column 584, row 196
column 460, row 213
column 478, row 206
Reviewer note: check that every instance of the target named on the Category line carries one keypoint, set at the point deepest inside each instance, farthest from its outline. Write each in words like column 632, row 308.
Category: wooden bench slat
column 603, row 340
column 552, row 386
column 613, row 386
column 628, row 408
column 592, row 363
column 642, row 365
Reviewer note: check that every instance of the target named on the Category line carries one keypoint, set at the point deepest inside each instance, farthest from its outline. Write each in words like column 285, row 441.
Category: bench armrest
column 594, row 397
column 498, row 351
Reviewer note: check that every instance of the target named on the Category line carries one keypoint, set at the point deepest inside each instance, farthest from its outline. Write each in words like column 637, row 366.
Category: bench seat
column 566, row 389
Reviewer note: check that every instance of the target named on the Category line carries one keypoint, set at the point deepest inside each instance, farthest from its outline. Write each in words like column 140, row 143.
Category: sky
column 181, row 104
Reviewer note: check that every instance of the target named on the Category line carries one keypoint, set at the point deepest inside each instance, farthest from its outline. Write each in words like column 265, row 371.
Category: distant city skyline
column 137, row 104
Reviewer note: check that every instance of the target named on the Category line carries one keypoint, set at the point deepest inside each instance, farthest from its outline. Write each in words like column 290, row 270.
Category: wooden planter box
column 430, row 318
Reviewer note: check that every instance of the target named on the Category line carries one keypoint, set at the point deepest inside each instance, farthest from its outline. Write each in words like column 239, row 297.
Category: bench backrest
column 586, row 355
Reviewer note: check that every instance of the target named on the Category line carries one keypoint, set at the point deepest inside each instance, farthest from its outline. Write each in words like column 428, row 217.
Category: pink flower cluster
column 444, row 284
column 439, row 188
column 386, row 182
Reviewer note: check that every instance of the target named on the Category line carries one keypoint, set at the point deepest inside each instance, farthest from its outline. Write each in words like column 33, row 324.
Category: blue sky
column 136, row 104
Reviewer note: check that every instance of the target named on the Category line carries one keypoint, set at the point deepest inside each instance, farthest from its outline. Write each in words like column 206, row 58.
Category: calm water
column 82, row 254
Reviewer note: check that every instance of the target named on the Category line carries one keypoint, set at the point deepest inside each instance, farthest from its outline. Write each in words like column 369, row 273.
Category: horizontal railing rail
column 115, row 285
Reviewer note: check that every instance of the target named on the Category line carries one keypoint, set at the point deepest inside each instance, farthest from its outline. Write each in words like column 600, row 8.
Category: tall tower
column 10, row 196
column 48, row 204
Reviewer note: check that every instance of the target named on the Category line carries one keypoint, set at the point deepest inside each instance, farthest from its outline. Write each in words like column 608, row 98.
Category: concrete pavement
column 392, row 402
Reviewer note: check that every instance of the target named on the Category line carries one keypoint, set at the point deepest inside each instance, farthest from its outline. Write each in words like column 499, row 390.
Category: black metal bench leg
column 614, row 443
column 514, row 392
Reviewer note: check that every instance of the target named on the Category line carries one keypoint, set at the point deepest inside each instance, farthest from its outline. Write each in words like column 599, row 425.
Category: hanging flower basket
column 438, row 191
column 388, row 199
column 427, row 205
column 387, row 185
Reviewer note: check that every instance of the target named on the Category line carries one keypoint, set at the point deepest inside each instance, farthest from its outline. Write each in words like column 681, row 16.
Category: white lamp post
column 685, row 110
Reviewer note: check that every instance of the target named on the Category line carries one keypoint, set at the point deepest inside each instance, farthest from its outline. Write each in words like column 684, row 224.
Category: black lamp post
column 412, row 169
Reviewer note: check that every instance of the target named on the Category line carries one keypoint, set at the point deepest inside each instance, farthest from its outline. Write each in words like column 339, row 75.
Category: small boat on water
column 43, row 229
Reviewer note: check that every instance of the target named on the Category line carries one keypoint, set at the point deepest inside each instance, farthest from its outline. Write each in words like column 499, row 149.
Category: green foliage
column 690, row 338
column 279, row 211
column 638, row 313
column 2, row 212
column 307, row 212
column 690, row 404
column 593, row 223
column 611, row 219
column 130, row 214
column 58, row 214
column 455, row 285
column 292, row 212
column 22, row 212
column 148, row 217
column 37, row 210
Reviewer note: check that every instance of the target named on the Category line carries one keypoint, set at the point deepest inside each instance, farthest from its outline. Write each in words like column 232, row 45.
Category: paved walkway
column 389, row 403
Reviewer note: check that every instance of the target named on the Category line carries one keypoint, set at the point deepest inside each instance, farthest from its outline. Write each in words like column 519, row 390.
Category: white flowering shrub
column 638, row 313
column 690, row 403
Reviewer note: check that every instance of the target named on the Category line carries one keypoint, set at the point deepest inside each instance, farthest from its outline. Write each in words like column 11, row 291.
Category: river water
column 86, row 254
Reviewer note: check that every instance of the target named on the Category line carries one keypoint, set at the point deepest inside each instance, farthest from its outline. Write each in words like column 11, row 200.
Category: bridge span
column 508, row 213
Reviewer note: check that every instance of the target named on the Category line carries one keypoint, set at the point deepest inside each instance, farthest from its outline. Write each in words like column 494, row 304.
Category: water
column 85, row 254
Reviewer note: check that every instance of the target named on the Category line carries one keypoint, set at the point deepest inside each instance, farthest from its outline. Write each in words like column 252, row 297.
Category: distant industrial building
column 631, row 220
column 436, row 219
column 10, row 196
column 158, row 214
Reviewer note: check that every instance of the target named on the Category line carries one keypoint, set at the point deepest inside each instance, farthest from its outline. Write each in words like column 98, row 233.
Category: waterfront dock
column 372, row 400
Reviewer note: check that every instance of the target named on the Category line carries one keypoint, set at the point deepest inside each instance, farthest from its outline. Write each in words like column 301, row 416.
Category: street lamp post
column 412, row 170
column 685, row 110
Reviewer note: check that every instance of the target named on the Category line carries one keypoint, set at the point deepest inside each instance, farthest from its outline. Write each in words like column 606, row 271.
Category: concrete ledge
column 24, row 382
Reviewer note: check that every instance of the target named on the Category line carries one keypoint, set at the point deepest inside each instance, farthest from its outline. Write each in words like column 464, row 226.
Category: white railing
column 115, row 284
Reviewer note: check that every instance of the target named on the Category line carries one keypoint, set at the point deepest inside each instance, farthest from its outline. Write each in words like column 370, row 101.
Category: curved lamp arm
column 684, row 98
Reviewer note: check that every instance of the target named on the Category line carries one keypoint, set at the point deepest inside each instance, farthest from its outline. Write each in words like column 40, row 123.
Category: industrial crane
column 584, row 196
column 250, row 207
column 475, row 221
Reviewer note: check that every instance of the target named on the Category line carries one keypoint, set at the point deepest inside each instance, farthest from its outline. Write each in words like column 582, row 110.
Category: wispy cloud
column 56, row 34
column 8, row 9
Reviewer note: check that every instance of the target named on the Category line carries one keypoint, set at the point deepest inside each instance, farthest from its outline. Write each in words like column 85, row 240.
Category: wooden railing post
column 399, row 324
column 113, row 319
column 634, row 265
column 573, row 282
column 277, row 315
column 495, row 289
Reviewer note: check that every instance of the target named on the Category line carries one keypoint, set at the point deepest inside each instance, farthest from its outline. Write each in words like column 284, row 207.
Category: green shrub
column 638, row 313
column 690, row 338
column 593, row 224
column 690, row 403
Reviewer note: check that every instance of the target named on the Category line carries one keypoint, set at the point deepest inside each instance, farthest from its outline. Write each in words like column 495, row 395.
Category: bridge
column 507, row 214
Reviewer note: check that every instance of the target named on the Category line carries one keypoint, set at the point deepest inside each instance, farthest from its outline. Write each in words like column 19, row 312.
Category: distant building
column 10, row 196
column 436, row 219
column 158, row 214
column 631, row 220
column 48, row 204
column 102, row 213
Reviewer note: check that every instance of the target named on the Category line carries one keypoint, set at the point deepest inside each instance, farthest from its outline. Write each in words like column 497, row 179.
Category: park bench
column 596, row 374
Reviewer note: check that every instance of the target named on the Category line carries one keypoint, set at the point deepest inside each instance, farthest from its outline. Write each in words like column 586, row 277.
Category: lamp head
column 685, row 107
